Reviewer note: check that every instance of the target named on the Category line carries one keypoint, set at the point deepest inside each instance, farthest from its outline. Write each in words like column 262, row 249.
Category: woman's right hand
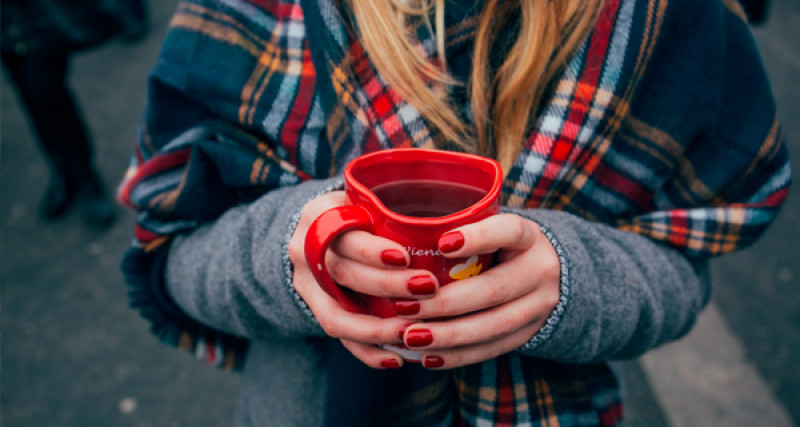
column 364, row 263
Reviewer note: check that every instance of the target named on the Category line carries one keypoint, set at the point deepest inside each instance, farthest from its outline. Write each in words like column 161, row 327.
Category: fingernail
column 432, row 362
column 401, row 333
column 451, row 242
column 390, row 364
column 419, row 338
column 422, row 285
column 406, row 307
column 393, row 257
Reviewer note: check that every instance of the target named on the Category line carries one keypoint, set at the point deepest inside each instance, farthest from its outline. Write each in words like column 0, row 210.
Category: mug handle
column 321, row 233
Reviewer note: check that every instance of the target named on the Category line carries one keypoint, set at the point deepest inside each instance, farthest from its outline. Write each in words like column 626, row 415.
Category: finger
column 370, row 249
column 381, row 282
column 504, row 231
column 462, row 356
column 373, row 356
column 484, row 328
column 340, row 323
column 499, row 285
column 308, row 214
column 316, row 206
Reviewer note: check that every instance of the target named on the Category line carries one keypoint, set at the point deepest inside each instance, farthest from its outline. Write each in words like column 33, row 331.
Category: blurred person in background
column 39, row 38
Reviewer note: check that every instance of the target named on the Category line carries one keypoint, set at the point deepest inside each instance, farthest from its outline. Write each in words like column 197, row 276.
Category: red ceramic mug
column 411, row 196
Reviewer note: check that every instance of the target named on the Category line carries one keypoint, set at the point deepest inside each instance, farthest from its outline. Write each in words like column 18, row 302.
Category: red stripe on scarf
column 156, row 165
column 631, row 190
column 612, row 416
column 298, row 114
column 679, row 228
column 584, row 93
column 506, row 409
column 144, row 235
column 211, row 353
column 278, row 9
column 775, row 199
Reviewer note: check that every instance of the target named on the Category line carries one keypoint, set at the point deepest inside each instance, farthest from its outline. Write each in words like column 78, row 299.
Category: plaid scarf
column 633, row 135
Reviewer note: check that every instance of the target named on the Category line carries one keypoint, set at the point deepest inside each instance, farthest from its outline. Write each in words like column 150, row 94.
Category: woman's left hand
column 497, row 311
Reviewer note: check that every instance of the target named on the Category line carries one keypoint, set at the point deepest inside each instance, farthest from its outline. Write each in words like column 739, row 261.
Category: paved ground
column 73, row 354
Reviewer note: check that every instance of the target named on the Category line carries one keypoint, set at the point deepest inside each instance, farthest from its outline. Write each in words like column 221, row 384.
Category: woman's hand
column 486, row 315
column 364, row 263
column 497, row 311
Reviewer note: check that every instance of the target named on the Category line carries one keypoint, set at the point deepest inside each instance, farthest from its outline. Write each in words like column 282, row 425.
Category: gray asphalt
column 73, row 354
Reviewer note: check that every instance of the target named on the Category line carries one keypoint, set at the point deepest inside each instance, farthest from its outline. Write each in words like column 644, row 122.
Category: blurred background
column 73, row 354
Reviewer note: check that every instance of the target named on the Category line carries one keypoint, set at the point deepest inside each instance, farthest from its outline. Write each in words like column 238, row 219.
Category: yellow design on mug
column 469, row 268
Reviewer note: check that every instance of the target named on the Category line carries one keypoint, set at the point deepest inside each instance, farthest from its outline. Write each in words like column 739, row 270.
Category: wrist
column 288, row 266
column 550, row 325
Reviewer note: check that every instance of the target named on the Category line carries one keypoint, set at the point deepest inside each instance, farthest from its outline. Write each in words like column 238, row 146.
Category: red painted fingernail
column 432, row 362
column 419, row 338
column 394, row 258
column 390, row 364
column 422, row 285
column 406, row 307
column 401, row 333
column 451, row 242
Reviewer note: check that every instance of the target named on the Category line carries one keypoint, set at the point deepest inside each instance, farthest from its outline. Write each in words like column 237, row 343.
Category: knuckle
column 552, row 268
column 552, row 299
column 308, row 212
column 299, row 285
column 496, row 290
column 329, row 326
column 296, row 251
column 436, row 307
column 528, row 332
column 506, row 325
column 445, row 338
column 336, row 269
column 373, row 335
column 362, row 251
column 497, row 351
column 385, row 284
column 517, row 227
column 483, row 234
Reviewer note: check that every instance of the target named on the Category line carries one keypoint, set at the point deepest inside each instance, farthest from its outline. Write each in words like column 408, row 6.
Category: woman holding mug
column 637, row 139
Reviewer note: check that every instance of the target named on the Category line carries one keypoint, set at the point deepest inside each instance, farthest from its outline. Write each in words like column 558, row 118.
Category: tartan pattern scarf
column 297, row 98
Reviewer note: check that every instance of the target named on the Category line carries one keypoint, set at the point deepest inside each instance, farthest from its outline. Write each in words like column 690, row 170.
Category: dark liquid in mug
column 427, row 198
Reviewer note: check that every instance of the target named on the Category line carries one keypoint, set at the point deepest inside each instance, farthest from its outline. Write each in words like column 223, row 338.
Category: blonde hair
column 549, row 33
